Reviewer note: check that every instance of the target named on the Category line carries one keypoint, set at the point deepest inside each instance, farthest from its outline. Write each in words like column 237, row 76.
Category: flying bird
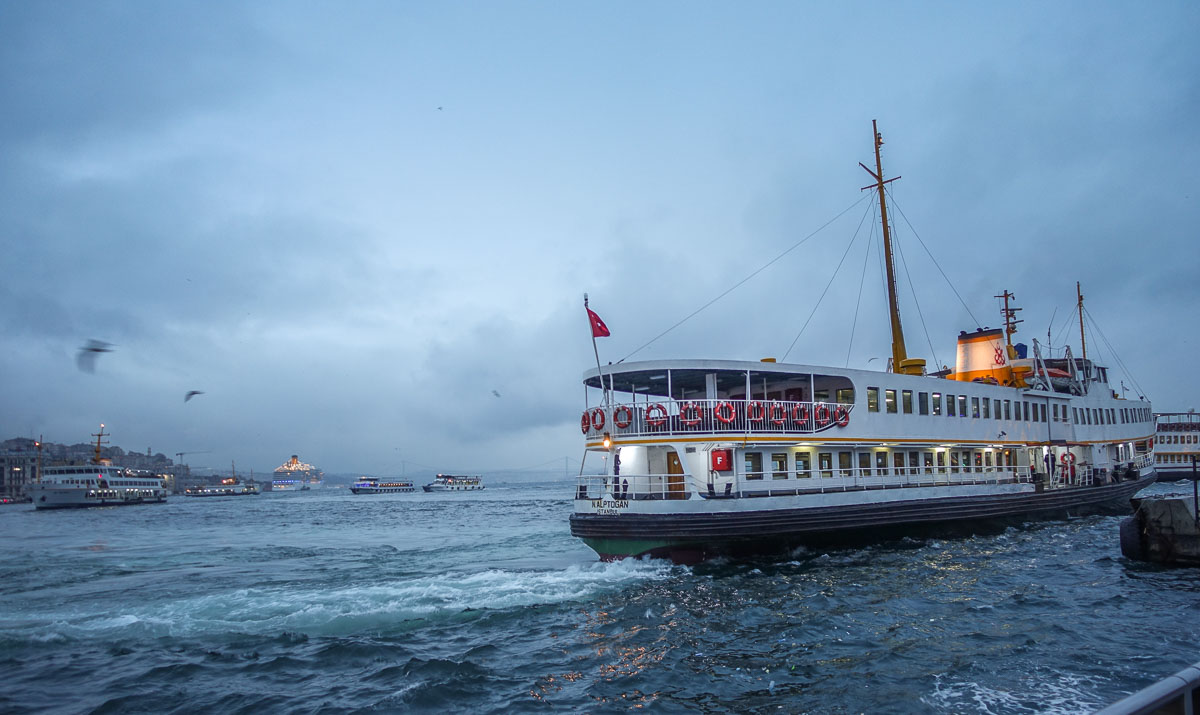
column 86, row 358
column 191, row 394
column 497, row 394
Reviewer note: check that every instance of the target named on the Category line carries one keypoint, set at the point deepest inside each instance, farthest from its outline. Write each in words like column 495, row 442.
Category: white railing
column 719, row 416
column 769, row 483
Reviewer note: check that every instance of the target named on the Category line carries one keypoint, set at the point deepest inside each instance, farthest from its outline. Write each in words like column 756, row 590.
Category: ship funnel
column 982, row 356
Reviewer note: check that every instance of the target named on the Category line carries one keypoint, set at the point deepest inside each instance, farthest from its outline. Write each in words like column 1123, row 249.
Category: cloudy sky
column 350, row 223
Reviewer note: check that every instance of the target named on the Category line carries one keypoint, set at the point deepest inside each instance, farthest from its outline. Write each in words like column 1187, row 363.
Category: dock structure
column 1179, row 693
column 1164, row 530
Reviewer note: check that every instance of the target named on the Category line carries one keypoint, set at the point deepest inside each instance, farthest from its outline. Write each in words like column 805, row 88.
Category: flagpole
column 603, row 385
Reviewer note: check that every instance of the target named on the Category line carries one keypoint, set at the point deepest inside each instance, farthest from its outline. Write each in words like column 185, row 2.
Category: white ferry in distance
column 296, row 476
column 370, row 485
column 97, row 484
column 688, row 459
column 1176, row 444
column 452, row 483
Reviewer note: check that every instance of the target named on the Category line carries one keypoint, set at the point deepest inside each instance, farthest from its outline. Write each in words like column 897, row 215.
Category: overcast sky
column 348, row 223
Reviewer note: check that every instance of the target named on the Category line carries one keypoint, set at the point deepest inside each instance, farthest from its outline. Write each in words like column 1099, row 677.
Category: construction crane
column 179, row 455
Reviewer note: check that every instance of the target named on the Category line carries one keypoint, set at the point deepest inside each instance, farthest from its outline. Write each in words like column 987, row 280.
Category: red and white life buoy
column 822, row 415
column 1067, row 459
column 585, row 423
column 628, row 420
column 656, row 415
column 841, row 416
column 697, row 414
column 598, row 419
column 755, row 411
column 778, row 413
column 801, row 415
column 724, row 413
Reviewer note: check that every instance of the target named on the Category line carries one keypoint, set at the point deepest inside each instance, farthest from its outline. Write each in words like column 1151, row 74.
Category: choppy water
column 330, row 602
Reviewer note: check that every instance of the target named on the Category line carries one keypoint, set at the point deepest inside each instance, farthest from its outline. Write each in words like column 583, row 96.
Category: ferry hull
column 51, row 498
column 689, row 538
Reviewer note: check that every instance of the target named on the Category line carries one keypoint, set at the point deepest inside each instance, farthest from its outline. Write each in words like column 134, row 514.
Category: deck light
column 607, row 441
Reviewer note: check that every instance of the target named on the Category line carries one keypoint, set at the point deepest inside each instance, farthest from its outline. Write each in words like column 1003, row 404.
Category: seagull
column 191, row 394
column 86, row 358
column 497, row 394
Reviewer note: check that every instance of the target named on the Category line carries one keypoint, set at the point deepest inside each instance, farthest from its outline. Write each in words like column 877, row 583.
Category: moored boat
column 703, row 457
column 454, row 483
column 370, row 485
column 1176, row 445
column 100, row 483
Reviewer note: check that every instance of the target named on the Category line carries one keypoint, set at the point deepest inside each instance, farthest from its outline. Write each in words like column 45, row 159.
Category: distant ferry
column 296, row 476
column 692, row 458
column 95, row 484
column 227, row 488
column 369, row 485
column 452, row 483
column 1176, row 444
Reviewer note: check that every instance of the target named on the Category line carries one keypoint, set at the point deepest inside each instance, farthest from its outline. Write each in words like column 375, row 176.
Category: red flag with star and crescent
column 599, row 329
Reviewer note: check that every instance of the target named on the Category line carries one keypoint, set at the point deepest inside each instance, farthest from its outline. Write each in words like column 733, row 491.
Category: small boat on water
column 370, row 485
column 97, row 484
column 694, row 458
column 1176, row 445
column 454, row 483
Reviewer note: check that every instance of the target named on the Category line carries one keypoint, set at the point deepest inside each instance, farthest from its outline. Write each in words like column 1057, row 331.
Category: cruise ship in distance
column 693, row 458
column 97, row 484
column 1176, row 445
column 296, row 476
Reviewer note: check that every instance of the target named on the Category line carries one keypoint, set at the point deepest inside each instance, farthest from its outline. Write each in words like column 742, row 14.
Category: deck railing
column 769, row 483
column 719, row 416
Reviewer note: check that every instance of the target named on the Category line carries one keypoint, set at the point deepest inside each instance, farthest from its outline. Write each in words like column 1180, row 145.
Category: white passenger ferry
column 452, row 483
column 95, row 484
column 1176, row 445
column 370, row 485
column 694, row 458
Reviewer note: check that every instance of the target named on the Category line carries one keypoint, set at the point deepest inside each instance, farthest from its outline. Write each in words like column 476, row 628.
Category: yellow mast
column 100, row 436
column 901, row 363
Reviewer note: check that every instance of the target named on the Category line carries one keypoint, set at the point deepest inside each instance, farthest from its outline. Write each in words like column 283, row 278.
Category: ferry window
column 941, row 462
column 949, row 405
column 821, row 396
column 987, row 459
column 753, row 465
column 975, row 407
column 1007, row 413
column 914, row 462
column 978, row 460
column 962, row 405
column 906, row 401
column 889, row 397
column 825, row 463
column 996, row 408
column 929, row 462
column 881, row 463
column 898, row 462
column 937, row 403
column 779, row 465
column 1055, row 413
column 954, row 461
column 1095, row 416
column 872, row 399
column 1025, row 409
column 864, row 463
column 923, row 402
column 987, row 404
column 845, row 463
column 845, row 395
column 803, row 464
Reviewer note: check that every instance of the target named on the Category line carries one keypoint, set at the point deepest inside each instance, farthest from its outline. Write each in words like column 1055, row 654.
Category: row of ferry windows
column 783, row 465
column 1177, row 439
column 122, row 483
column 976, row 407
column 1173, row 458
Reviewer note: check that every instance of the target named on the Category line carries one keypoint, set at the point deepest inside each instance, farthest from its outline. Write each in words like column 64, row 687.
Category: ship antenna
column 1010, row 319
column 900, row 360
column 1082, row 340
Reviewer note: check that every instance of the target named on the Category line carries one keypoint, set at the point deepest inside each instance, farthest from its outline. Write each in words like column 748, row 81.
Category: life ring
column 598, row 419
column 1067, row 458
column 585, row 423
column 751, row 416
column 623, row 423
column 841, row 416
column 691, row 407
column 782, row 414
column 801, row 415
column 822, row 415
column 656, row 421
column 724, row 413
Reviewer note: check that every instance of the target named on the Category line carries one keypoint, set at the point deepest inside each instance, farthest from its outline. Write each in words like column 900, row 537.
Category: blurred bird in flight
column 191, row 394
column 86, row 358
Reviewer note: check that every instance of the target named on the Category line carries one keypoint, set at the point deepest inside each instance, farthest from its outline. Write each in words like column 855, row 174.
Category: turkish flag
column 599, row 329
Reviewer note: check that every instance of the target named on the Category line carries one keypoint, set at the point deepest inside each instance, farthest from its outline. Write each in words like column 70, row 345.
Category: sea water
column 325, row 601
